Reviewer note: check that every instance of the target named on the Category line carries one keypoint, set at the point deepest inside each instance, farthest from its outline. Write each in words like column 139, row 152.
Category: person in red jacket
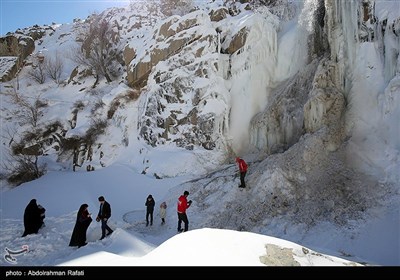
column 243, row 170
column 183, row 204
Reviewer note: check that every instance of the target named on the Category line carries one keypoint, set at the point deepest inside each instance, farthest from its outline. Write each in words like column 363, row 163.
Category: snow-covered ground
column 132, row 243
column 372, row 147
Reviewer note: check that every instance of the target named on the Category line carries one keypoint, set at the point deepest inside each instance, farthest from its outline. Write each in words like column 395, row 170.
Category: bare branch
column 97, row 50
column 38, row 73
column 22, row 168
column 10, row 133
column 54, row 67
column 28, row 112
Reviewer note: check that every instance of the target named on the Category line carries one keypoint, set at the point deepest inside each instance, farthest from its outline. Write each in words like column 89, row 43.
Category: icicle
column 307, row 15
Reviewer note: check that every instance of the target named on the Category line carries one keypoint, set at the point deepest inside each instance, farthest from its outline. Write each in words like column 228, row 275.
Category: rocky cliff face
column 14, row 49
column 308, row 95
column 309, row 141
column 219, row 79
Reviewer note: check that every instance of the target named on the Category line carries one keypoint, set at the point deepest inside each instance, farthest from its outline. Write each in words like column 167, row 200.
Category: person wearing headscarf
column 32, row 219
column 83, row 220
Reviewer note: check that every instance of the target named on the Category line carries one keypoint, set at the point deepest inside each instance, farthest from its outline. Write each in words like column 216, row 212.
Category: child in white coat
column 163, row 212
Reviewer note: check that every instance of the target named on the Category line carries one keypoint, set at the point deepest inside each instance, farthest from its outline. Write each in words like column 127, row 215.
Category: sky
column 132, row 243
column 16, row 14
column 62, row 191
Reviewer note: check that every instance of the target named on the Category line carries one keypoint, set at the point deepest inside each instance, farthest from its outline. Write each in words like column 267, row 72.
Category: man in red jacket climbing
column 183, row 204
column 243, row 170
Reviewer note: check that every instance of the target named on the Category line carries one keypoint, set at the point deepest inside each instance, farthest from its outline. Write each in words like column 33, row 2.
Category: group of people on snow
column 34, row 214
column 34, row 219
column 182, row 205
column 150, row 203
column 83, row 220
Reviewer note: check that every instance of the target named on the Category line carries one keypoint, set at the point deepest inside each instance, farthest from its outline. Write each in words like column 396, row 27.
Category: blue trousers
column 105, row 227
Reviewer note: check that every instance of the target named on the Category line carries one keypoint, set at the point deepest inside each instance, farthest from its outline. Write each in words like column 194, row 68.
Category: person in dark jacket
column 42, row 215
column 149, row 209
column 103, row 216
column 83, row 220
column 243, row 170
column 183, row 204
column 32, row 219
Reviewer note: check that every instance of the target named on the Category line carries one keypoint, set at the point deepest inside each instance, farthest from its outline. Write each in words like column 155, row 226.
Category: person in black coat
column 83, row 220
column 103, row 216
column 149, row 209
column 42, row 215
column 32, row 219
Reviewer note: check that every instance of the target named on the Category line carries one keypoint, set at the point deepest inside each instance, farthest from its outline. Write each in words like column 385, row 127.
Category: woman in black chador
column 32, row 219
column 83, row 220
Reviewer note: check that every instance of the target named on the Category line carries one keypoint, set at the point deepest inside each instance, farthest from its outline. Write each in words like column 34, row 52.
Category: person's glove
column 97, row 219
column 190, row 202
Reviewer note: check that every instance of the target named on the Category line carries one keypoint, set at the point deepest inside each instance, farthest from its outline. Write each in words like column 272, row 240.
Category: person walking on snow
column 183, row 204
column 163, row 212
column 103, row 216
column 149, row 209
column 243, row 170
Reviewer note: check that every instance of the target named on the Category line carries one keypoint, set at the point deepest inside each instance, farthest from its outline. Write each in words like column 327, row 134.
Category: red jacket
column 242, row 165
column 182, row 204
